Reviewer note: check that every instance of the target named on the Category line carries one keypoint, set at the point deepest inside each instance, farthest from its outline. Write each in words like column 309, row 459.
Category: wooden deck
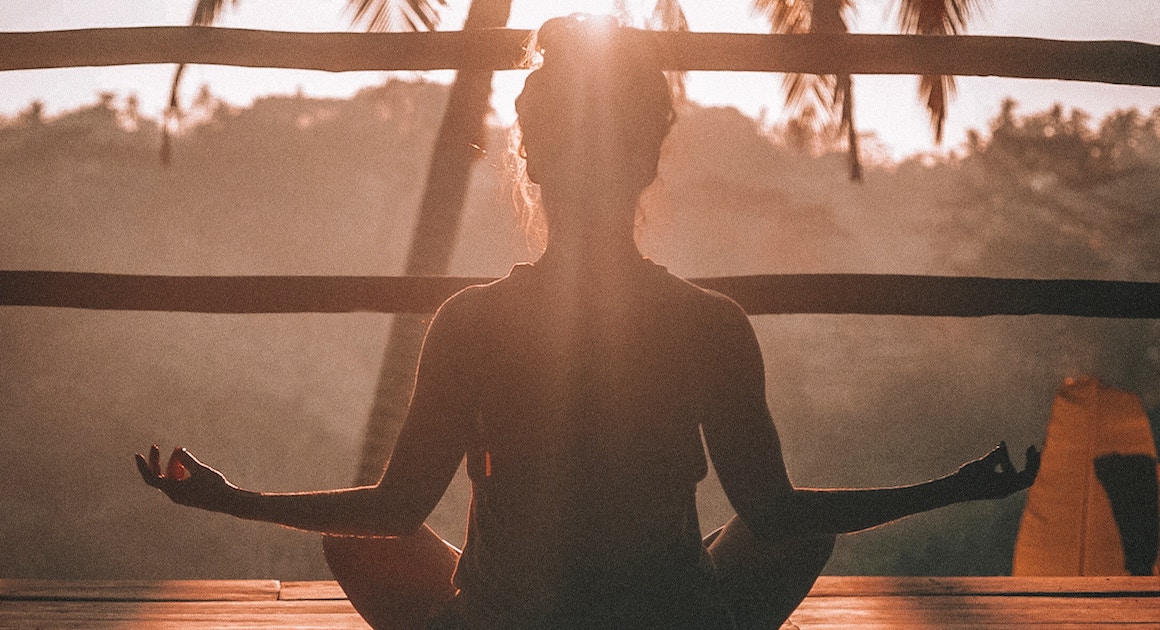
column 836, row 602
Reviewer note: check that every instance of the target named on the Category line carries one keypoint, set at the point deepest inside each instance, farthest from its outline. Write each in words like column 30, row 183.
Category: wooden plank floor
column 835, row 602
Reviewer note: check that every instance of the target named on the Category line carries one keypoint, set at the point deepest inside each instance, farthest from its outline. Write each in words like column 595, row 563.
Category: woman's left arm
column 746, row 453
column 992, row 476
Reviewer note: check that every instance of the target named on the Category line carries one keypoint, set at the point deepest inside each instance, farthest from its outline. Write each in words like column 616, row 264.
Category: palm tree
column 457, row 146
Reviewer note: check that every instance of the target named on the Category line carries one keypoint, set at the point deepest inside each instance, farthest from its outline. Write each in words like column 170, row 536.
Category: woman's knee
column 762, row 581
column 737, row 544
column 394, row 583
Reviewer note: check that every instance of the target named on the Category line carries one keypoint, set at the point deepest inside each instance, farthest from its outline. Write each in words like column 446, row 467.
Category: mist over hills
column 295, row 185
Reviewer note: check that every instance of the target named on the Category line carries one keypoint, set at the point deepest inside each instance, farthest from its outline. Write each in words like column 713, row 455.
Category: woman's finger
column 155, row 460
column 146, row 472
column 187, row 458
column 1005, row 465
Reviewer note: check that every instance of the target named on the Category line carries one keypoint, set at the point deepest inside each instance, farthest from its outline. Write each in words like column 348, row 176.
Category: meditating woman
column 579, row 388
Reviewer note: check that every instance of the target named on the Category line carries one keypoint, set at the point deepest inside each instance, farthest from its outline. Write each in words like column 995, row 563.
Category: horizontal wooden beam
column 940, row 296
column 866, row 294
column 1120, row 62
column 228, row 294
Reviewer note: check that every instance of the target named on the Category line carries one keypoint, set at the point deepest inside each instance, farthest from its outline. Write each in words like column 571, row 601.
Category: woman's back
column 586, row 450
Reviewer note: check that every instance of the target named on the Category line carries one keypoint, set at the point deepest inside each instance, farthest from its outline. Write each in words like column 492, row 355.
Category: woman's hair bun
column 598, row 92
column 577, row 35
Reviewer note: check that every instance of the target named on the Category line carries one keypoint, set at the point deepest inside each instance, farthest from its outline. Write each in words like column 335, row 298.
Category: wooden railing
column 1102, row 61
column 866, row 294
column 1120, row 62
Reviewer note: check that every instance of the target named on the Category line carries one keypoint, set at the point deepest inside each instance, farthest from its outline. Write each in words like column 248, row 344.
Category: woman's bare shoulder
column 704, row 302
column 477, row 300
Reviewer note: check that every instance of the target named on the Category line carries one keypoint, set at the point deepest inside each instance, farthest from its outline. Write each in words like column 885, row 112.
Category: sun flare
column 630, row 12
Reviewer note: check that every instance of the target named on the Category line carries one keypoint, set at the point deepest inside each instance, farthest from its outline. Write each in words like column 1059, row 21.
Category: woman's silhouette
column 579, row 389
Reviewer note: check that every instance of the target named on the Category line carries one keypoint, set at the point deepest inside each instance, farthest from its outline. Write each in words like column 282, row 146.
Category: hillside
column 294, row 185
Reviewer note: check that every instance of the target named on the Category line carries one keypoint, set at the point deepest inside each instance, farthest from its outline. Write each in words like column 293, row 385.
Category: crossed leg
column 763, row 581
column 394, row 583
column 398, row 583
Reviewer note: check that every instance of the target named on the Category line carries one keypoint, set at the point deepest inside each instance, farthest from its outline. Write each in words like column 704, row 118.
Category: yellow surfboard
column 1067, row 526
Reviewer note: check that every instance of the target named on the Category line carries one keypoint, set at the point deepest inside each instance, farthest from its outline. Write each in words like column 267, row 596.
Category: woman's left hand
column 993, row 476
column 185, row 480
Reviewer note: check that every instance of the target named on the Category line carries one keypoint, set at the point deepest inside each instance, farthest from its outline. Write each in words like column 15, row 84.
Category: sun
column 532, row 14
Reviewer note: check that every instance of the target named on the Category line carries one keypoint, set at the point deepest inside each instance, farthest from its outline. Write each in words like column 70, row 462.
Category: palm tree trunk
column 433, row 241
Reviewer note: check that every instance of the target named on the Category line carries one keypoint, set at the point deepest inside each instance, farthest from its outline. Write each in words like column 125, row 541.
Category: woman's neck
column 594, row 254
column 592, row 232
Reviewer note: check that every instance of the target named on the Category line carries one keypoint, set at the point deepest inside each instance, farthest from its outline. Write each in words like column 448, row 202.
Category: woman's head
column 593, row 115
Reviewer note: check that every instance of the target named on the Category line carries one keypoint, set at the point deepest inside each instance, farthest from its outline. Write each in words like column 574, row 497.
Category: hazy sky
column 887, row 106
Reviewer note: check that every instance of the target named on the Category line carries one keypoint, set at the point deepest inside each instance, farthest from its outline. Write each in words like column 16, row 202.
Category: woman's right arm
column 360, row 511
column 427, row 453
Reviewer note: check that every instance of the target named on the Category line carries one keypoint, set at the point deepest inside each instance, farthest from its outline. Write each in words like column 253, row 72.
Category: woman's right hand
column 185, row 480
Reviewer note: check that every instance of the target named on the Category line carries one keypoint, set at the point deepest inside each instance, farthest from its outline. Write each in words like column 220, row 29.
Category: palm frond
column 792, row 17
column 784, row 17
column 397, row 15
column 829, row 16
column 206, row 12
column 375, row 15
column 809, row 90
column 936, row 90
column 936, row 17
column 668, row 15
column 832, row 94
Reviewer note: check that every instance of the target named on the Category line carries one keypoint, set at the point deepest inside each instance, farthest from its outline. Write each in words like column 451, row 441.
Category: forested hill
column 294, row 185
